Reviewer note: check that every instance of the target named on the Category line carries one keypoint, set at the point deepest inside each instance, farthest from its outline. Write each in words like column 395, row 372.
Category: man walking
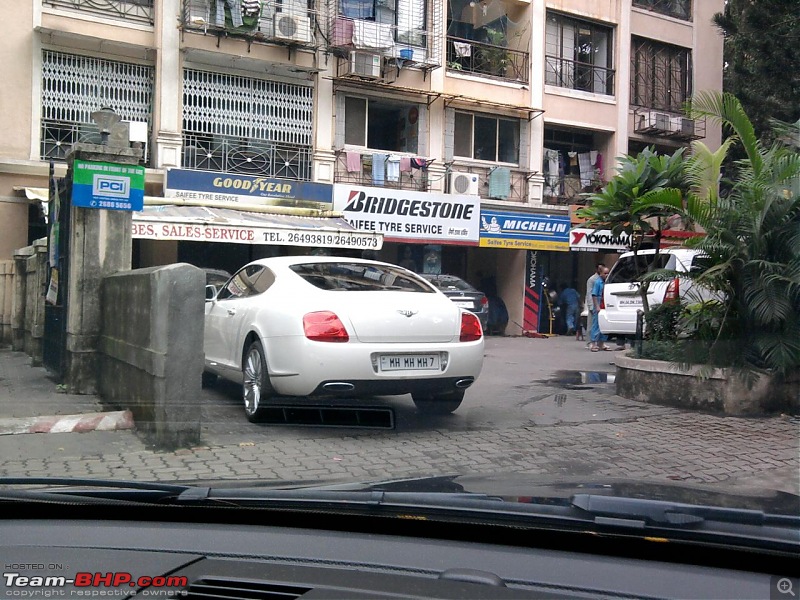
column 589, row 306
column 598, row 339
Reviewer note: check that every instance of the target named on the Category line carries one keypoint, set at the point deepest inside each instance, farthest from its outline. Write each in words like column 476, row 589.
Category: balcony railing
column 578, row 76
column 569, row 189
column 274, row 22
column 680, row 9
column 416, row 179
column 517, row 191
column 487, row 60
column 140, row 11
column 58, row 137
column 252, row 157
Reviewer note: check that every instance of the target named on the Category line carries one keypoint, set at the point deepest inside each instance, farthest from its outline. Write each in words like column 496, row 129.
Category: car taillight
column 324, row 326
column 484, row 301
column 470, row 328
column 673, row 291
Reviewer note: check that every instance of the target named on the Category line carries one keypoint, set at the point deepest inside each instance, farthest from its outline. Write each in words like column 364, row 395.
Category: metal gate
column 54, row 349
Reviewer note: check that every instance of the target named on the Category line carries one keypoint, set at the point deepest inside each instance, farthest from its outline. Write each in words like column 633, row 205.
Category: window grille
column 132, row 10
column 74, row 86
column 661, row 75
column 240, row 124
column 680, row 9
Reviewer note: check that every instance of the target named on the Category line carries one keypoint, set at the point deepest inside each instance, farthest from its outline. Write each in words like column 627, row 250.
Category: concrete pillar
column 21, row 256
column 100, row 244
column 6, row 300
column 36, row 287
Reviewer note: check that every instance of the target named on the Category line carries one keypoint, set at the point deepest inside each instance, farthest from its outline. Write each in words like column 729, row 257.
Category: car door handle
column 231, row 311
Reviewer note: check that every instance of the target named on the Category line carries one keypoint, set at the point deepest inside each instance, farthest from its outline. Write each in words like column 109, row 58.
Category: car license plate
column 630, row 302
column 463, row 303
column 409, row 362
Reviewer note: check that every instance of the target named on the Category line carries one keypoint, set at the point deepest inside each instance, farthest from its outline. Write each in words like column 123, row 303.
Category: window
column 342, row 276
column 486, row 138
column 660, row 75
column 407, row 17
column 381, row 125
column 252, row 280
column 680, row 9
column 578, row 55
column 74, row 86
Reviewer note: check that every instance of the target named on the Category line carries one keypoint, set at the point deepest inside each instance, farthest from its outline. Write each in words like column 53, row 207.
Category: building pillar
column 100, row 244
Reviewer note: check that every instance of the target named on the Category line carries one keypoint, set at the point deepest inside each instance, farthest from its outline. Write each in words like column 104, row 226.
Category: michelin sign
column 524, row 231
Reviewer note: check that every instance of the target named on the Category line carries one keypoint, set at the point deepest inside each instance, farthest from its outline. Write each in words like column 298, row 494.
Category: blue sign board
column 107, row 185
column 211, row 186
column 524, row 231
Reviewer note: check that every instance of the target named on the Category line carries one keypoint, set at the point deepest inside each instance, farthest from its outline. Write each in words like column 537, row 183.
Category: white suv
column 621, row 293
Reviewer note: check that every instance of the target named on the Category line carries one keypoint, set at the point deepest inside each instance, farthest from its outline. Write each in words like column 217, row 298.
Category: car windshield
column 627, row 269
column 448, row 283
column 343, row 276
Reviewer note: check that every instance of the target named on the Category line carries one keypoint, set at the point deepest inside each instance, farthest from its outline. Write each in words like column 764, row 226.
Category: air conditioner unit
column 683, row 126
column 464, row 183
column 292, row 28
column 365, row 64
column 660, row 121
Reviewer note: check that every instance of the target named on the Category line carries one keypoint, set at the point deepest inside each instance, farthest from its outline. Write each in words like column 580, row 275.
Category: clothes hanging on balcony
column 586, row 169
column 500, row 183
column 393, row 168
column 251, row 8
column 598, row 166
column 405, row 164
column 419, row 163
column 378, row 168
column 353, row 162
column 235, row 8
column 357, row 9
column 551, row 181
column 462, row 49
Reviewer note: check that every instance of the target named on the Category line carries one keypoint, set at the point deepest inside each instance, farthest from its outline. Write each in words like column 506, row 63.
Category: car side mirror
column 211, row 293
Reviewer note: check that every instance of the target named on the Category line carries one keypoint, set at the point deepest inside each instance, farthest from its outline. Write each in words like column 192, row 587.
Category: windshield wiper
column 89, row 490
column 615, row 510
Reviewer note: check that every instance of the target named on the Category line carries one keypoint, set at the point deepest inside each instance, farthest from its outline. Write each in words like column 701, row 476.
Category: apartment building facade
column 462, row 131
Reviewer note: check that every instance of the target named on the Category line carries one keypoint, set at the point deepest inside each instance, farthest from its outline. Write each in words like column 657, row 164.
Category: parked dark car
column 463, row 294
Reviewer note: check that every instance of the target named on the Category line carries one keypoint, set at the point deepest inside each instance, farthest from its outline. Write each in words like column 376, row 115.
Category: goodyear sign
column 524, row 231
column 107, row 185
column 197, row 187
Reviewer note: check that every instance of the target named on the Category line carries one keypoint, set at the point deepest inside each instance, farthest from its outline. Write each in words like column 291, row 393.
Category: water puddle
column 579, row 379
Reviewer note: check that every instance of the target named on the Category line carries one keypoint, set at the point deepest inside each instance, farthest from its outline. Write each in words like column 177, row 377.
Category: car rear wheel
column 256, row 388
column 438, row 404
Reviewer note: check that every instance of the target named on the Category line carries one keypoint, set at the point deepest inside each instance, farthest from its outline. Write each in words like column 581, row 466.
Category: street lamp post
column 105, row 118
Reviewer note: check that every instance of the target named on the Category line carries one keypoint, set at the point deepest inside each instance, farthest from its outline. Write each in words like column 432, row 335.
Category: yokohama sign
column 592, row 240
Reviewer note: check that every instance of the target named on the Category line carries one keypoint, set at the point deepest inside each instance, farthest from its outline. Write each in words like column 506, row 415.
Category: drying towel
column 405, row 164
column 393, row 168
column 419, row 163
column 500, row 183
column 586, row 169
column 462, row 49
column 353, row 162
column 378, row 168
column 368, row 34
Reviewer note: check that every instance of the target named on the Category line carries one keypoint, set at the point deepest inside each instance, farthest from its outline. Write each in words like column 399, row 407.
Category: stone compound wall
column 660, row 382
column 6, row 300
column 151, row 350
column 27, row 299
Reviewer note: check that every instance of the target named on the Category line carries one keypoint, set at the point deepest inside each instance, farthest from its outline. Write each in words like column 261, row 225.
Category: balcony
column 668, row 125
column 58, row 137
column 289, row 22
column 416, row 179
column 569, row 189
column 227, row 154
column 680, row 9
column 575, row 75
column 487, row 60
column 139, row 11
column 517, row 189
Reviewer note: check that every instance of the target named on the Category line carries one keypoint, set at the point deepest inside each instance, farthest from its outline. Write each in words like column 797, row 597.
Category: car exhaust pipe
column 338, row 386
column 463, row 384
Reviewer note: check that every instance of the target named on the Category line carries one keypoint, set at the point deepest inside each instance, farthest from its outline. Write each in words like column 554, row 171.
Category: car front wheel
column 256, row 388
column 438, row 404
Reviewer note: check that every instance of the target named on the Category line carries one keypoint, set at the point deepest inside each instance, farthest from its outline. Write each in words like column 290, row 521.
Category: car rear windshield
column 343, row 276
column 626, row 270
column 449, row 283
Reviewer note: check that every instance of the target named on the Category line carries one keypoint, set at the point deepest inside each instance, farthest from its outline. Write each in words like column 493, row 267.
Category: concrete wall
column 27, row 302
column 151, row 350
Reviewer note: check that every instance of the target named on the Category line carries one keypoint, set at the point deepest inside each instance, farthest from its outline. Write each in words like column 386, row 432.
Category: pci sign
column 107, row 186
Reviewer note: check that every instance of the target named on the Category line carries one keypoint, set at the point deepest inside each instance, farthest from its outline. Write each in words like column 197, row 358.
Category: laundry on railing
column 586, row 168
column 353, row 160
column 420, row 163
column 462, row 49
column 500, row 183
column 357, row 9
column 393, row 168
column 378, row 168
column 368, row 34
column 405, row 164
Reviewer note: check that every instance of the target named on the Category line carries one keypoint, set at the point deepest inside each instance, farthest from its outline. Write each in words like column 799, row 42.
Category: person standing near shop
column 589, row 306
column 570, row 301
column 598, row 339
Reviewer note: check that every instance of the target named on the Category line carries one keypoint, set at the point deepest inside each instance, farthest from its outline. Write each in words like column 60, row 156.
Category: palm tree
column 752, row 239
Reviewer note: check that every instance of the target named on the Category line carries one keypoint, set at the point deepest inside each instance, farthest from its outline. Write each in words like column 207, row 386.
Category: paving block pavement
column 585, row 431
